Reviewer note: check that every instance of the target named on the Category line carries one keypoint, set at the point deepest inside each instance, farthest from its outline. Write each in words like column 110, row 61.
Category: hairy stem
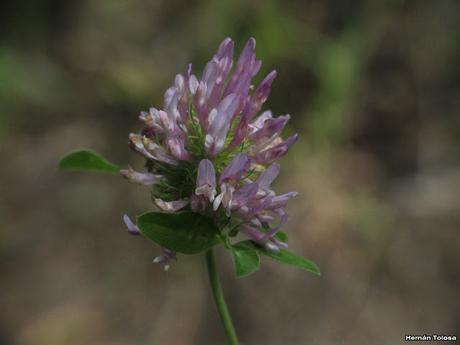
column 219, row 299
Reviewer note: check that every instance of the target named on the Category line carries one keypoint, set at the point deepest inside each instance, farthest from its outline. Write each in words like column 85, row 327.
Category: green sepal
column 87, row 160
column 184, row 232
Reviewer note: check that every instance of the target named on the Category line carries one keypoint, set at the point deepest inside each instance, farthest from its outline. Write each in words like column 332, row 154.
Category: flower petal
column 261, row 94
column 206, row 179
column 132, row 228
column 145, row 179
column 171, row 206
column 272, row 153
column 268, row 176
column 220, row 120
column 271, row 128
column 166, row 259
column 176, row 145
column 236, row 169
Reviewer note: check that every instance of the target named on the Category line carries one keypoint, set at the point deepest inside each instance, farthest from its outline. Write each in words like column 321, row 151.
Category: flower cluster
column 211, row 150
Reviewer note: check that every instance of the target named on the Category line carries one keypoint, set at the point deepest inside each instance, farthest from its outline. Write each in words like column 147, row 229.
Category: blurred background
column 372, row 87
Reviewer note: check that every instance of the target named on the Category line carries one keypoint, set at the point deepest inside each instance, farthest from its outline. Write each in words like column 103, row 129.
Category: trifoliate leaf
column 87, row 160
column 284, row 256
column 289, row 258
column 183, row 232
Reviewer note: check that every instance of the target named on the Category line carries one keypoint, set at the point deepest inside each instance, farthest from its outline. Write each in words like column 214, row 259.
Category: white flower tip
column 217, row 201
column 271, row 247
column 158, row 259
column 228, row 211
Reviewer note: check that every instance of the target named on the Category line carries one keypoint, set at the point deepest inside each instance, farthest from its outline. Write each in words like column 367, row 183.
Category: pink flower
column 209, row 150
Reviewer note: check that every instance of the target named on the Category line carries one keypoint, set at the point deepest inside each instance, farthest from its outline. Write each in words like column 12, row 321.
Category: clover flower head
column 211, row 150
column 210, row 157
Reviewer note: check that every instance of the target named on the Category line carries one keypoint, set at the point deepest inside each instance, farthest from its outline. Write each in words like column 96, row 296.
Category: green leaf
column 246, row 260
column 282, row 236
column 289, row 258
column 184, row 232
column 284, row 256
column 87, row 160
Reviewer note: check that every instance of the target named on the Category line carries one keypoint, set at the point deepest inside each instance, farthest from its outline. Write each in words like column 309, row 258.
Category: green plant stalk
column 219, row 299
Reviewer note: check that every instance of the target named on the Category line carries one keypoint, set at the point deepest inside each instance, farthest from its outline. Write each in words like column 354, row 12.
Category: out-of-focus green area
column 372, row 87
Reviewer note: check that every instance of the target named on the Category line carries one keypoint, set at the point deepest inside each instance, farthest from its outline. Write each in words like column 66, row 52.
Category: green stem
column 219, row 299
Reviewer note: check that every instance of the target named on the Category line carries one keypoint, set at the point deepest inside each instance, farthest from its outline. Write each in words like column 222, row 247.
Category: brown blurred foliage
column 372, row 87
